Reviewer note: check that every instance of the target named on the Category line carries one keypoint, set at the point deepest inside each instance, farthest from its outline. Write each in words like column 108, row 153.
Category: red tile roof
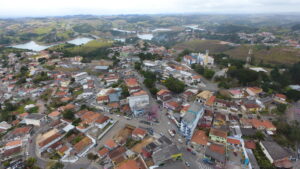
column 131, row 82
column 250, row 144
column 200, row 137
column 129, row 164
column 163, row 92
column 103, row 151
column 233, row 141
column 110, row 143
column 282, row 96
column 21, row 130
column 49, row 139
column 82, row 144
column 138, row 131
column 102, row 119
column 217, row 148
column 217, row 132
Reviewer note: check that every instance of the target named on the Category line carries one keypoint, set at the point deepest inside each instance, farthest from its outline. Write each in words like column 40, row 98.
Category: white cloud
column 100, row 7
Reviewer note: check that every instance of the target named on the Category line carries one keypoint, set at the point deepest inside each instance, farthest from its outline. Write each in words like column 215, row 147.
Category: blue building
column 190, row 120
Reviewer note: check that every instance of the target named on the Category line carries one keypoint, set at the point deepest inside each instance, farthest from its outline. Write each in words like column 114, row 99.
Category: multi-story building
column 190, row 120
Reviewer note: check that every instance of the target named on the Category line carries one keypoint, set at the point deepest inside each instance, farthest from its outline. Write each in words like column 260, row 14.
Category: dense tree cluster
column 174, row 85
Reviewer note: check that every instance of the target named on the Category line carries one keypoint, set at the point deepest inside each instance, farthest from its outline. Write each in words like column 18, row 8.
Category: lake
column 80, row 41
column 145, row 36
column 31, row 46
column 36, row 47
column 161, row 30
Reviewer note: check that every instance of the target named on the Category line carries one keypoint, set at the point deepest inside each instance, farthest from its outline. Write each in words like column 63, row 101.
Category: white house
column 35, row 119
column 138, row 102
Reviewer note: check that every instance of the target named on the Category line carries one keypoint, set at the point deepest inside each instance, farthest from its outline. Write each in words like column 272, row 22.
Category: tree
column 125, row 92
column 198, row 68
column 92, row 156
column 281, row 108
column 57, row 165
column 137, row 66
column 149, row 82
column 30, row 163
column 293, row 94
column 174, row 85
column 208, row 73
column 295, row 72
column 259, row 135
column 68, row 114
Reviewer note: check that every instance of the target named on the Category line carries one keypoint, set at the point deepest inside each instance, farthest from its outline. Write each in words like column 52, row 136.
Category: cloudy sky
column 22, row 8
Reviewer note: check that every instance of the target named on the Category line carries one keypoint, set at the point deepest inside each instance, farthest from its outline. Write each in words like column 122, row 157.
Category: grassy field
column 213, row 46
column 90, row 46
column 275, row 55
column 272, row 55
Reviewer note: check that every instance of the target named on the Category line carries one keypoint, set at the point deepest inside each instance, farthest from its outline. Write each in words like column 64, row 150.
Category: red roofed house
column 54, row 115
column 110, row 144
column 47, row 139
column 102, row 121
column 103, row 152
column 172, row 105
column 280, row 98
column 164, row 95
column 254, row 91
column 132, row 84
column 199, row 140
column 102, row 99
column 210, row 102
column 139, row 134
column 13, row 144
column 83, row 146
column 263, row 125
column 131, row 164
column 233, row 143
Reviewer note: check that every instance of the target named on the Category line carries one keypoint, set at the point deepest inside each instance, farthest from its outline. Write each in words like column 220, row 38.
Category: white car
column 171, row 133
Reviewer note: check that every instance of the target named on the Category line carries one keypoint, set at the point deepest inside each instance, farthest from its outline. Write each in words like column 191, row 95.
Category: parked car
column 171, row 133
column 187, row 164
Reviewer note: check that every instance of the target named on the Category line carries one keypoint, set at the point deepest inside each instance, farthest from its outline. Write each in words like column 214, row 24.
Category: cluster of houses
column 133, row 147
column 222, row 129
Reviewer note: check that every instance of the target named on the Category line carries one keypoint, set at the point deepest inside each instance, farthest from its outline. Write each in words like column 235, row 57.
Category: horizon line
column 153, row 14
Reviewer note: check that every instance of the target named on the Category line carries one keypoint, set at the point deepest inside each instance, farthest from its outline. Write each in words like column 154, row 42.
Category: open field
column 272, row 55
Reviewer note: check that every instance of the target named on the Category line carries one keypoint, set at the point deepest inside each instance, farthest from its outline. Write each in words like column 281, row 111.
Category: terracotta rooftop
column 217, row 132
column 23, row 115
column 211, row 101
column 139, row 93
column 131, row 82
column 103, row 151
column 200, row 137
column 250, row 144
column 282, row 96
column 54, row 114
column 217, row 148
column 111, row 143
column 255, row 90
column 13, row 143
column 163, row 91
column 49, row 139
column 82, row 144
column 129, row 164
column 102, row 98
column 102, row 119
column 21, row 130
column 63, row 149
column 233, row 141
column 139, row 131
